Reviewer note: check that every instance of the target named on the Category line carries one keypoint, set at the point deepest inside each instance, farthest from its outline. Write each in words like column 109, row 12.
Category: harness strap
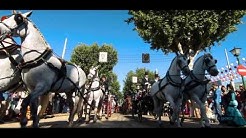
column 61, row 73
column 8, row 50
column 15, row 86
column 171, row 82
column 36, row 62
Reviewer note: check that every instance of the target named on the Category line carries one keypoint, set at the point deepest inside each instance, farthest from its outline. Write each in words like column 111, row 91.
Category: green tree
column 184, row 30
column 87, row 56
column 129, row 86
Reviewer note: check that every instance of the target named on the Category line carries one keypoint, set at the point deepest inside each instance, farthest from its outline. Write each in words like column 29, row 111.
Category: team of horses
column 34, row 60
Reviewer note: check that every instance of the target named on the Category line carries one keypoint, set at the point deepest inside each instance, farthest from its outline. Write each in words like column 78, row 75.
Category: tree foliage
column 193, row 29
column 129, row 86
column 88, row 55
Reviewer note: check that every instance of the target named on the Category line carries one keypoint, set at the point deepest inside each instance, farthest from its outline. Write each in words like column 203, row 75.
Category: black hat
column 156, row 75
column 146, row 73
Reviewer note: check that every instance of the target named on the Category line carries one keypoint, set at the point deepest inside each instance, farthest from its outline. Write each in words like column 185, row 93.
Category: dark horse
column 142, row 105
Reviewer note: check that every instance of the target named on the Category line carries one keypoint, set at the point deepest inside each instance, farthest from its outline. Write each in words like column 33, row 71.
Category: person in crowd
column 104, row 84
column 1, row 105
column 232, row 110
column 224, row 98
column 243, row 99
column 217, row 102
column 145, row 82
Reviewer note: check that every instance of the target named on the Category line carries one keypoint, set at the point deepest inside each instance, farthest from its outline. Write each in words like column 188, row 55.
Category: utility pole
column 229, row 69
column 64, row 48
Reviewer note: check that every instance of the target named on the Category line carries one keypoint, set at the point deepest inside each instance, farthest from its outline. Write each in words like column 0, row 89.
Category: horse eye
column 18, row 18
column 206, row 60
column 215, row 61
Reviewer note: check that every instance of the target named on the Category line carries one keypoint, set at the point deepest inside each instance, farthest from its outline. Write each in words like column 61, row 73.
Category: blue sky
column 108, row 26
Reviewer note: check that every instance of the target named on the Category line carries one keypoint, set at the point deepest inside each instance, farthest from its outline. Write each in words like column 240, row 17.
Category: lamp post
column 236, row 52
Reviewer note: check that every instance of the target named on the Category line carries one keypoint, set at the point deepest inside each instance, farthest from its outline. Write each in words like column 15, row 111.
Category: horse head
column 182, row 63
column 210, row 64
column 14, row 24
column 93, row 72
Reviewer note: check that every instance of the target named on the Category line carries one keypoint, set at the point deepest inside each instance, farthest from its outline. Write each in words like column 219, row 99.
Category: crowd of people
column 225, row 105
column 10, row 103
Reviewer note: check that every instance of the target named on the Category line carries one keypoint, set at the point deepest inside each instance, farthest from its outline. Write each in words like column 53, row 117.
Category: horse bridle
column 206, row 60
column 18, row 25
column 6, row 51
column 185, row 66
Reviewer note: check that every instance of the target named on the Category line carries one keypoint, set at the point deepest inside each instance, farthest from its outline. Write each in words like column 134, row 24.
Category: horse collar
column 169, row 80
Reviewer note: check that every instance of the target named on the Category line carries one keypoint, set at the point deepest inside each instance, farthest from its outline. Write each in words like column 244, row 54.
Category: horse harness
column 170, row 82
column 7, row 51
column 194, row 83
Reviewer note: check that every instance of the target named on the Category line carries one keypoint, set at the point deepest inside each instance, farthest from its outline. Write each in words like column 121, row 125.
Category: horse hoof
column 70, row 124
column 95, row 120
column 207, row 127
column 23, row 123
column 35, row 126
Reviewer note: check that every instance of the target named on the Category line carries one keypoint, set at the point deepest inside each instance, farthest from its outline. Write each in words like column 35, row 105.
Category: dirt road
column 117, row 120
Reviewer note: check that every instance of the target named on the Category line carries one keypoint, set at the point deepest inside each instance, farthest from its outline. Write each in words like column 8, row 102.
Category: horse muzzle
column 186, row 71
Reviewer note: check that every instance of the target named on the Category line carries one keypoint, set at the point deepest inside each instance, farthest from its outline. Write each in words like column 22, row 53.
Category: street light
column 236, row 52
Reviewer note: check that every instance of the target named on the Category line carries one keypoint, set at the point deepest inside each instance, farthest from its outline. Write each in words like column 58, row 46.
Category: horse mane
column 172, row 62
column 205, row 55
column 42, row 36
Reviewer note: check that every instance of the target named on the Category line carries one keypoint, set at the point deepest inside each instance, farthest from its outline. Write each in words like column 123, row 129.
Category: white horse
column 10, row 56
column 196, row 84
column 10, row 77
column 170, row 88
column 42, row 71
column 94, row 95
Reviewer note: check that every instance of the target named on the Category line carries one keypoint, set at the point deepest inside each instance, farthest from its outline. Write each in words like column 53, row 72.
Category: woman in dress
column 232, row 110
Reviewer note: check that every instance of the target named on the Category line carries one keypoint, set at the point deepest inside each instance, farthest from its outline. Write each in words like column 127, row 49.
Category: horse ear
column 27, row 14
column 176, row 53
column 97, row 66
column 186, row 53
column 14, row 12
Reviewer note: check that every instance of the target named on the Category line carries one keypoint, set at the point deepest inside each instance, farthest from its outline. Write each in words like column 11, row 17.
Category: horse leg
column 80, row 103
column 80, row 108
column 44, row 100
column 182, row 111
column 23, row 110
column 72, row 107
column 175, row 115
column 202, row 107
column 88, row 111
column 158, row 105
column 100, row 106
column 178, row 104
column 95, row 115
column 155, row 107
column 34, row 108
column 96, row 110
